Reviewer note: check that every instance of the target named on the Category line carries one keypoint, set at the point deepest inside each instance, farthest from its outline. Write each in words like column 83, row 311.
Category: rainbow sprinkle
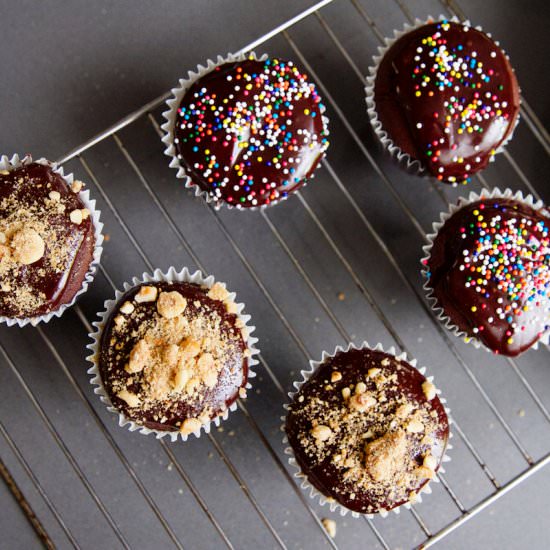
column 510, row 255
column 252, row 134
column 474, row 103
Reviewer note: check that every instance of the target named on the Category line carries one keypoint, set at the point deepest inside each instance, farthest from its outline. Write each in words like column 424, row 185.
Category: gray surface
column 14, row 525
column 77, row 68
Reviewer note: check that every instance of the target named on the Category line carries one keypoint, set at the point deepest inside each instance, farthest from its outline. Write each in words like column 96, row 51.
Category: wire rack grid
column 347, row 250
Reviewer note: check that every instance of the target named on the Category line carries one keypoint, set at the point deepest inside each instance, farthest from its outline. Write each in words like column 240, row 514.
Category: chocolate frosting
column 489, row 269
column 354, row 366
column 250, row 132
column 38, row 288
column 115, row 351
column 446, row 94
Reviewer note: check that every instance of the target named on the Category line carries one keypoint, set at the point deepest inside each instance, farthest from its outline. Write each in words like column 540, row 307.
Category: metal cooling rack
column 336, row 263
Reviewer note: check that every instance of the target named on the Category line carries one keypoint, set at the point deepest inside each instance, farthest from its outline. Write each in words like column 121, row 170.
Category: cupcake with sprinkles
column 245, row 132
column 487, row 271
column 443, row 98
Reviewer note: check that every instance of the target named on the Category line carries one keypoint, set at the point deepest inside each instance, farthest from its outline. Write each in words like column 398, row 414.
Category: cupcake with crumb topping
column 50, row 240
column 172, row 353
column 367, row 430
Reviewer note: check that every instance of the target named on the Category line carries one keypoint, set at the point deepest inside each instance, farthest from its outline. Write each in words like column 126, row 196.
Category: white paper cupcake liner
column 495, row 193
column 183, row 276
column 17, row 162
column 314, row 493
column 410, row 164
column 171, row 116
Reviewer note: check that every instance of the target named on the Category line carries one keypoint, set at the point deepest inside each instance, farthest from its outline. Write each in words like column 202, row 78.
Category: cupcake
column 246, row 132
column 50, row 240
column 488, row 271
column 172, row 354
column 443, row 98
column 367, row 430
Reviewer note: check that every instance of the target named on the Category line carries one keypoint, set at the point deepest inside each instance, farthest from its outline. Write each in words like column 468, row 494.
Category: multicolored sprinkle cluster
column 473, row 102
column 248, row 133
column 512, row 256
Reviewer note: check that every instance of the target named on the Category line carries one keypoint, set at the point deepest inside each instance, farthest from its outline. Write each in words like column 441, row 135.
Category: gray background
column 70, row 69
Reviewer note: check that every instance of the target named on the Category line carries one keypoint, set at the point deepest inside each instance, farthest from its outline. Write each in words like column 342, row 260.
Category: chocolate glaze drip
column 233, row 376
column 447, row 95
column 354, row 365
column 250, row 132
column 483, row 315
column 28, row 187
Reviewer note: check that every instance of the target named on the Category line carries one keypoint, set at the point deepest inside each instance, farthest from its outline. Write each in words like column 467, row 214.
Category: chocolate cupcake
column 443, row 98
column 245, row 132
column 172, row 354
column 367, row 430
column 488, row 271
column 50, row 240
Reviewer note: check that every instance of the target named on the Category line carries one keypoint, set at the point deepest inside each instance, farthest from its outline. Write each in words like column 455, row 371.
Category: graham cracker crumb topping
column 146, row 294
column 177, row 351
column 335, row 376
column 131, row 398
column 77, row 186
column 190, row 425
column 127, row 308
column 429, row 390
column 27, row 246
column 76, row 216
column 220, row 293
column 385, row 456
column 330, row 526
column 171, row 304
column 38, row 241
column 368, row 428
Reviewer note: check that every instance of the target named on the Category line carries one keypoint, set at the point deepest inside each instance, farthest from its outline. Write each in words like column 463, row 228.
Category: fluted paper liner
column 314, row 493
column 84, row 195
column 411, row 164
column 462, row 202
column 171, row 116
column 183, row 276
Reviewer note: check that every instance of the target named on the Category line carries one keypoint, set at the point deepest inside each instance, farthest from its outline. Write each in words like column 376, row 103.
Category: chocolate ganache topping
column 489, row 270
column 250, row 132
column 447, row 96
column 46, row 241
column 173, row 356
column 368, row 430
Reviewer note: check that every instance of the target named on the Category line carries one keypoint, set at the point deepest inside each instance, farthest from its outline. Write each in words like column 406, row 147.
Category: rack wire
column 417, row 527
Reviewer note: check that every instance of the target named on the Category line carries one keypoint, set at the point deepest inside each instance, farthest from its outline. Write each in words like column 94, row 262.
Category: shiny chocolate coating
column 489, row 270
column 250, row 132
column 26, row 189
column 354, row 365
column 447, row 96
column 114, row 358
